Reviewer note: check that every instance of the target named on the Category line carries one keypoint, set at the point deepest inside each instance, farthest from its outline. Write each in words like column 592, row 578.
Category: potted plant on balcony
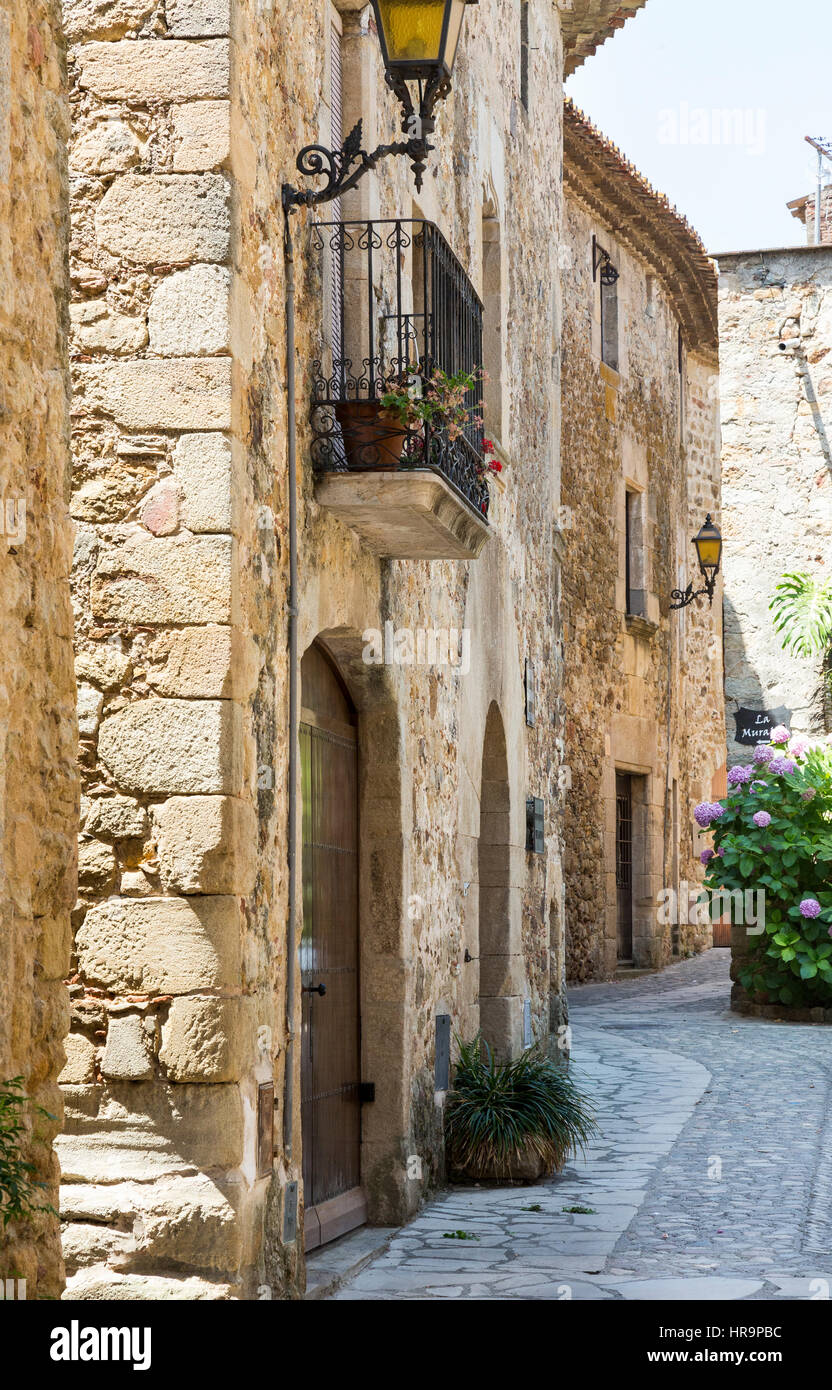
column 377, row 432
column 512, row 1121
column 374, row 436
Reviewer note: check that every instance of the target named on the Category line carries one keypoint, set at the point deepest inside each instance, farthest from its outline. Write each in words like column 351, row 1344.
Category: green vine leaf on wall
column 20, row 1191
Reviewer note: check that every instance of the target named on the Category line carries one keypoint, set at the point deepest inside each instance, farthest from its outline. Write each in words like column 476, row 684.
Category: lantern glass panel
column 412, row 29
column 455, row 18
column 420, row 33
column 708, row 546
column 709, row 554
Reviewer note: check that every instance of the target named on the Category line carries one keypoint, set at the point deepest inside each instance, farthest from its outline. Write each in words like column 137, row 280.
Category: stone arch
column 500, row 956
column 382, row 910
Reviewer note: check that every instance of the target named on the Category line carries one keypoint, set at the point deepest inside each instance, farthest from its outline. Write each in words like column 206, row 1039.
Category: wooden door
column 330, row 1048
column 624, row 863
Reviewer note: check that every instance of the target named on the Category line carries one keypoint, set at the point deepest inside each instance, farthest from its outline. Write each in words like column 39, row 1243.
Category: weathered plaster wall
column 642, row 694
column 38, row 782
column 776, row 385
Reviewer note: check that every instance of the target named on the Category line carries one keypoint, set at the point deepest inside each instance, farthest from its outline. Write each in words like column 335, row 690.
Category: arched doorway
column 498, row 962
column 329, row 955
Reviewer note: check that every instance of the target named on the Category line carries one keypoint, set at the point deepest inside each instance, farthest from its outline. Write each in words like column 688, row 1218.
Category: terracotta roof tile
column 586, row 24
column 598, row 173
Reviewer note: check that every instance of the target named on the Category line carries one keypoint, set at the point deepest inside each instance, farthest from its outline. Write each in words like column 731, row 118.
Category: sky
column 711, row 100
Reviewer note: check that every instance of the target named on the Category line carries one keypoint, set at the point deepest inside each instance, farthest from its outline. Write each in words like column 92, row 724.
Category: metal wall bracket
column 687, row 596
column 601, row 260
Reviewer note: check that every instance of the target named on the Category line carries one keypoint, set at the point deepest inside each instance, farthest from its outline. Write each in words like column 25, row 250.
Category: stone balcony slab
column 411, row 514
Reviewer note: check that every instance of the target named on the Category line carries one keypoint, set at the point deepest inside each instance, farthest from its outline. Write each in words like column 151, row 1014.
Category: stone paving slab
column 709, row 1179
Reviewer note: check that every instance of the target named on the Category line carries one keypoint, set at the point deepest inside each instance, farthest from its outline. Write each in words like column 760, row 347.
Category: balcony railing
column 399, row 305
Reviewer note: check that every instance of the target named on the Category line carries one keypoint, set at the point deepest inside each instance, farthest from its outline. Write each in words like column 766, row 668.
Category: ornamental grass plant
column 499, row 1113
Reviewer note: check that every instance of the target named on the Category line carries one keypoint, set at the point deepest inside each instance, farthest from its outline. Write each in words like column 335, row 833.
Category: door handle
column 314, row 989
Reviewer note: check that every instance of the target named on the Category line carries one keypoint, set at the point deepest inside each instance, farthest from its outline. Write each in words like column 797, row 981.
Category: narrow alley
column 708, row 1180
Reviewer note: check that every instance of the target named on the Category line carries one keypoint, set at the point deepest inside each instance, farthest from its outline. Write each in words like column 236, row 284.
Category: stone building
column 775, row 310
column 804, row 210
column 211, row 1129
column 642, row 684
column 775, row 324
column 38, row 777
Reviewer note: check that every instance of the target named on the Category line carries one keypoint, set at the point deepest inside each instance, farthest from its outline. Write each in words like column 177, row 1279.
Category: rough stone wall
column 186, row 120
column 776, row 385
column 642, row 694
column 38, row 782
column 172, row 996
column 421, row 913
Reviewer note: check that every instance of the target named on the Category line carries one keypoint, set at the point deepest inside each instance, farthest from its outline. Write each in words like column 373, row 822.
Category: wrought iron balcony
column 399, row 306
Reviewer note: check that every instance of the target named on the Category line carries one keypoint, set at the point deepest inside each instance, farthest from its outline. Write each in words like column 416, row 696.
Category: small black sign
column 755, row 725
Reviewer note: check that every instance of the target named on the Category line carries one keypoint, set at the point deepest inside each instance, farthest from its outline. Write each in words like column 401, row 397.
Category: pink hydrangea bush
column 775, row 833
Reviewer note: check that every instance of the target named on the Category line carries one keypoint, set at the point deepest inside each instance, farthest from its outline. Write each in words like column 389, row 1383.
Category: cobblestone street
column 709, row 1179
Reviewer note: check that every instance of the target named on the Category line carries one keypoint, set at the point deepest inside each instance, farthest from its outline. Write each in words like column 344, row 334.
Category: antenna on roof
column 824, row 149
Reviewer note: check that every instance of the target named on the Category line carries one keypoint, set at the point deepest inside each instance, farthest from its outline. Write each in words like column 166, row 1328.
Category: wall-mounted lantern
column 602, row 262
column 418, row 40
column 708, row 542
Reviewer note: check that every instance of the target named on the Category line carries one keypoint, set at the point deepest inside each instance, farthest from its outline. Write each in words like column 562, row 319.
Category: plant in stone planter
column 512, row 1120
column 773, row 834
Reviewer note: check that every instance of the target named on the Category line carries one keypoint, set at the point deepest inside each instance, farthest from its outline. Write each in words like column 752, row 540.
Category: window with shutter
column 634, row 557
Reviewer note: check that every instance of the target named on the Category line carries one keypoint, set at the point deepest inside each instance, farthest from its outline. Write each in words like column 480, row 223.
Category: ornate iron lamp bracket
column 601, row 260
column 687, row 596
column 343, row 168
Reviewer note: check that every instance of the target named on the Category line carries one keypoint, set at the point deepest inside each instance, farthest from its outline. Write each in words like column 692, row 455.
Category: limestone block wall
column 776, row 385
column 642, row 694
column 38, row 782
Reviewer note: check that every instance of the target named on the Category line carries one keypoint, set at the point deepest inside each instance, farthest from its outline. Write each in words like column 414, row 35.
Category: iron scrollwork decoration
column 686, row 596
column 342, row 169
column 601, row 260
column 400, row 328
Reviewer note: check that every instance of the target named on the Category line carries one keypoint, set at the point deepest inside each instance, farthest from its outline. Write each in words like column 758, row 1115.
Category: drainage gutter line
column 294, row 734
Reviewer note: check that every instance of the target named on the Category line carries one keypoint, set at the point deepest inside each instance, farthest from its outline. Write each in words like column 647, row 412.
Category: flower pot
column 373, row 438
column 526, row 1165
